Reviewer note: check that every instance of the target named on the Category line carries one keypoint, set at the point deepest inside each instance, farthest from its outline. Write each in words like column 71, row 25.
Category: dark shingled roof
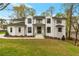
column 17, row 24
column 39, row 17
column 59, row 26
column 19, row 19
column 39, row 24
column 22, row 23
column 42, row 17
column 59, row 18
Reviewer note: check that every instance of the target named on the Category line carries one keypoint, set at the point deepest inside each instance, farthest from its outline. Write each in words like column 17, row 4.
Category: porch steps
column 39, row 36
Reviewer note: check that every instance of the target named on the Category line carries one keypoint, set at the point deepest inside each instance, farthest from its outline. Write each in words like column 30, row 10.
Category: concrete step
column 39, row 36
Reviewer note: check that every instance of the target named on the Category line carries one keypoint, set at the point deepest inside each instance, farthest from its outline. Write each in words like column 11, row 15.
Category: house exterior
column 38, row 26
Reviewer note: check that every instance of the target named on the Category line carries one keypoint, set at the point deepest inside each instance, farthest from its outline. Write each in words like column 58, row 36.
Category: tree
column 19, row 11
column 72, row 9
column 31, row 11
column 3, row 6
column 22, row 11
column 45, row 14
column 75, row 25
column 69, row 7
column 50, row 10
column 60, row 15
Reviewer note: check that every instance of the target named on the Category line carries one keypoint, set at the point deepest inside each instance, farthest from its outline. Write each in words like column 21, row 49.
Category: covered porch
column 39, row 30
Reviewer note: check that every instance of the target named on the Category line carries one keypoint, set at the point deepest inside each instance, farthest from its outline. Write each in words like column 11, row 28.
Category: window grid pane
column 29, row 20
column 48, row 29
column 48, row 20
column 10, row 29
column 19, row 29
column 59, row 21
column 29, row 30
column 59, row 29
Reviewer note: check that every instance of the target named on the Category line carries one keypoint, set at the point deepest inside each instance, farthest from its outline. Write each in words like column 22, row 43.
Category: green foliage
column 22, row 11
column 6, row 33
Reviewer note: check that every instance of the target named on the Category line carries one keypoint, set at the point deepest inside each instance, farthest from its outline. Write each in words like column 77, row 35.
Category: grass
column 2, row 32
column 19, row 47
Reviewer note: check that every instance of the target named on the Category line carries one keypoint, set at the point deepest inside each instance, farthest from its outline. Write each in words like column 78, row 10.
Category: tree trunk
column 76, row 38
column 70, row 12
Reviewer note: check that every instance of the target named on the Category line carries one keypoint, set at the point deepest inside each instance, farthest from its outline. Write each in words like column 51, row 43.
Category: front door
column 39, row 30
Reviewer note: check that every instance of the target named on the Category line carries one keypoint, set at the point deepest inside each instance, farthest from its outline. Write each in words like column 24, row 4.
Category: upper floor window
column 48, row 29
column 59, row 29
column 11, row 29
column 48, row 20
column 29, row 20
column 39, row 21
column 59, row 21
column 29, row 29
column 19, row 29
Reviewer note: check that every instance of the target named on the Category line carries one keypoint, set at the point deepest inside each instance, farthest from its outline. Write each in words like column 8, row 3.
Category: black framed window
column 48, row 20
column 19, row 29
column 59, row 29
column 11, row 29
column 29, row 20
column 29, row 29
column 48, row 29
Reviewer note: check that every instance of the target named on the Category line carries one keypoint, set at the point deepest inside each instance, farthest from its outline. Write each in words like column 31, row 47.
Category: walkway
column 3, row 37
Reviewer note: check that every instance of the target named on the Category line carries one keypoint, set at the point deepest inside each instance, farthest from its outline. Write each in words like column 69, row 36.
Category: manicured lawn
column 37, row 48
column 2, row 32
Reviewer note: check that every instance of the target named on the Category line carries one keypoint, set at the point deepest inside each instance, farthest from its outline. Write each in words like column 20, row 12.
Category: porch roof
column 17, row 24
column 19, row 19
column 59, row 26
column 39, row 17
column 39, row 24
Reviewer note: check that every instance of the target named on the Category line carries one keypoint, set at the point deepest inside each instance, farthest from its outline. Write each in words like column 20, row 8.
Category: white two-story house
column 38, row 26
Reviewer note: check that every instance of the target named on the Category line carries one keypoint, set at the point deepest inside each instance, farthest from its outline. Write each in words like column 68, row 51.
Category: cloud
column 15, row 4
column 28, row 5
column 18, row 4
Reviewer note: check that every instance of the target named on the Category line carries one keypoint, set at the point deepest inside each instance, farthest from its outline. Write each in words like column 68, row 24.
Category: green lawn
column 2, row 32
column 37, row 48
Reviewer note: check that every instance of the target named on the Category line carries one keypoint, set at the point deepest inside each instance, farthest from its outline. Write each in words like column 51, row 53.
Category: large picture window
column 48, row 29
column 29, row 29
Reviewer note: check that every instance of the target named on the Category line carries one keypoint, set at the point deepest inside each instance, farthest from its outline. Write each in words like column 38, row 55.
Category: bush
column 6, row 33
column 63, row 38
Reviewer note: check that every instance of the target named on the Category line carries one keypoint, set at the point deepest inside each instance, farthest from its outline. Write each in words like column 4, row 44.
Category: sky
column 39, row 7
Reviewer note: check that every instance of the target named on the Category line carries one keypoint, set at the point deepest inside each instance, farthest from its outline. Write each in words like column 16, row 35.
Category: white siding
column 52, row 27
column 60, row 34
column 42, row 21
column 15, row 31
column 22, row 33
column 29, row 25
